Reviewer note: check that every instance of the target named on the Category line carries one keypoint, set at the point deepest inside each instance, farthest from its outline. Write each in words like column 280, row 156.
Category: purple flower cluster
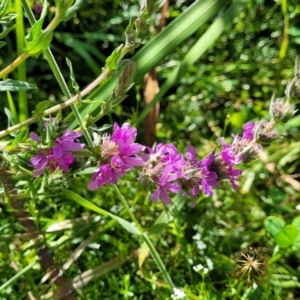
column 168, row 171
column 118, row 154
column 163, row 169
column 58, row 156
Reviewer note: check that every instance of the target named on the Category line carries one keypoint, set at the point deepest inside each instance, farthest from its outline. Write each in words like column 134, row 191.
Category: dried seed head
column 251, row 266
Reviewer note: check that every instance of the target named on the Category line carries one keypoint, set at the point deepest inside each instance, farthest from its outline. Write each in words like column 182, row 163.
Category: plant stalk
column 147, row 240
column 58, row 75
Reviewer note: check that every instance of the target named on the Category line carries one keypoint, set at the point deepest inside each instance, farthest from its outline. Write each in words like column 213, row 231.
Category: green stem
column 158, row 261
column 25, row 171
column 12, row 106
column 152, row 249
column 239, row 290
column 60, row 106
column 17, row 276
column 14, row 65
column 22, row 95
column 58, row 75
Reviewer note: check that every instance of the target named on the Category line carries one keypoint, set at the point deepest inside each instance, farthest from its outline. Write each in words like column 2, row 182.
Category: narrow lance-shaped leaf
column 6, row 31
column 37, row 27
column 15, row 85
column 154, row 51
column 72, row 76
column 87, row 204
column 72, row 9
column 201, row 46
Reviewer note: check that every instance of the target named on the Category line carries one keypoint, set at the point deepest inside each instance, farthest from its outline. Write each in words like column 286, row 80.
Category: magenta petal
column 191, row 154
column 35, row 160
column 34, row 137
column 165, row 197
column 57, row 151
column 92, row 186
column 37, row 173
column 155, row 195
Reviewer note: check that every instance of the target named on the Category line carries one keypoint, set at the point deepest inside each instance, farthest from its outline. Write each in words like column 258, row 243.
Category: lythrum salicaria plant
column 37, row 165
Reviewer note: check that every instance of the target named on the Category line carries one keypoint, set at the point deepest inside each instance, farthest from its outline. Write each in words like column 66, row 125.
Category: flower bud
column 282, row 110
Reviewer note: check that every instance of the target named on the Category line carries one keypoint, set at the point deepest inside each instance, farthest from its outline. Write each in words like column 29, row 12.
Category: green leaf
column 41, row 107
column 10, row 117
column 73, row 80
column 296, row 222
column 2, row 44
column 4, row 5
column 287, row 236
column 40, row 43
column 162, row 44
column 17, row 276
column 19, row 138
column 273, row 225
column 111, row 61
column 72, row 9
column 37, row 27
column 294, row 122
column 160, row 225
column 201, row 46
column 87, row 204
column 15, row 85
column 296, row 246
column 6, row 31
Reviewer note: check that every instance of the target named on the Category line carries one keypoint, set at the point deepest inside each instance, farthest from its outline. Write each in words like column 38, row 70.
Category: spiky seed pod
column 251, row 266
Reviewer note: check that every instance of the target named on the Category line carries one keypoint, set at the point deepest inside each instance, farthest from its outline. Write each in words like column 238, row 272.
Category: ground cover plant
column 149, row 150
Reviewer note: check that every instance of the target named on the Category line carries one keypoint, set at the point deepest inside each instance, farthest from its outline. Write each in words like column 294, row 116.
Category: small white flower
column 298, row 207
column 197, row 237
column 209, row 263
column 198, row 268
column 178, row 293
column 205, row 270
column 201, row 245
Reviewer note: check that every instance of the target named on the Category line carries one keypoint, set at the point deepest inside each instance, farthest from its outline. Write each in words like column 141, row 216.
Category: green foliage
column 15, row 85
column 218, row 64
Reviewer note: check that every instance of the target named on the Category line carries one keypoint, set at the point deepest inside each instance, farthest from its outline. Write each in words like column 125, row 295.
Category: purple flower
column 124, row 137
column 46, row 158
column 118, row 154
column 104, row 175
column 233, row 174
column 37, row 8
column 199, row 173
column 229, row 156
column 248, row 131
column 165, row 185
column 58, row 156
column 209, row 179
column 67, row 142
